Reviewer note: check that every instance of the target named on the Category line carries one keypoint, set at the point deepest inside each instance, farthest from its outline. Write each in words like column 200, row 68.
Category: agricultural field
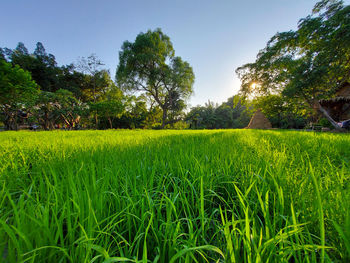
column 174, row 196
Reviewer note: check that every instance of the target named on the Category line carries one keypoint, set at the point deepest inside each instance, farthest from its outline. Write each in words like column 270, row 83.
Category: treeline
column 37, row 93
column 237, row 111
column 234, row 113
column 290, row 76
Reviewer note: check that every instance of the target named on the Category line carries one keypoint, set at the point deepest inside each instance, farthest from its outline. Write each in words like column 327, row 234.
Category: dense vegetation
column 174, row 196
column 76, row 95
column 151, row 93
column 306, row 65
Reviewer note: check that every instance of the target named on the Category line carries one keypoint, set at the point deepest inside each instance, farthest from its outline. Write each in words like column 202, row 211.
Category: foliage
column 97, row 80
column 42, row 66
column 149, row 62
column 136, row 114
column 74, row 81
column 305, row 65
column 234, row 113
column 17, row 92
column 282, row 112
column 175, row 196
column 45, row 110
column 70, row 109
column 108, row 109
column 96, row 86
column 2, row 54
column 88, row 85
column 149, row 66
column 54, row 108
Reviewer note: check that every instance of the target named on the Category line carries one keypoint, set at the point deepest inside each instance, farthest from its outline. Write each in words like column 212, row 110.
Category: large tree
column 149, row 66
column 308, row 64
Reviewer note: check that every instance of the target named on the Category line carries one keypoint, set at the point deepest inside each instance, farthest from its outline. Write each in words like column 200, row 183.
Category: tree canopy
column 17, row 91
column 149, row 66
column 234, row 113
column 308, row 64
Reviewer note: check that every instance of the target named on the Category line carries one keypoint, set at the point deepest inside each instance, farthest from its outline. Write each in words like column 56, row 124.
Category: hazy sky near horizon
column 215, row 37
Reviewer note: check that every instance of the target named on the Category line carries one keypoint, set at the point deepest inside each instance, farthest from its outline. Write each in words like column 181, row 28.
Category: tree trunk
column 46, row 122
column 15, row 125
column 110, row 122
column 328, row 117
column 96, row 121
column 7, row 120
column 10, row 119
column 164, row 118
column 94, row 95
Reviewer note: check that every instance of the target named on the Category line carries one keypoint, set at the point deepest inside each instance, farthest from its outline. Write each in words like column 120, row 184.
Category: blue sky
column 214, row 36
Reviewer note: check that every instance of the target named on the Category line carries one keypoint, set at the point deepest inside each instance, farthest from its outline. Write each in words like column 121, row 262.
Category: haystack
column 259, row 121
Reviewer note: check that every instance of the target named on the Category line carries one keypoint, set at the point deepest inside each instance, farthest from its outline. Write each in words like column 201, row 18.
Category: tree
column 234, row 113
column 305, row 65
column 42, row 66
column 58, row 107
column 149, row 66
column 74, row 81
column 242, row 111
column 2, row 54
column 282, row 112
column 97, row 86
column 69, row 108
column 91, row 66
column 111, row 107
column 17, row 92
column 47, row 59
column 97, row 81
column 45, row 110
column 21, row 49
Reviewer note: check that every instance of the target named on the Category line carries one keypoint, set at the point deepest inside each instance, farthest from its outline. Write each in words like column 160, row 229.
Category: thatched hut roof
column 344, row 91
column 259, row 121
column 339, row 106
column 341, row 96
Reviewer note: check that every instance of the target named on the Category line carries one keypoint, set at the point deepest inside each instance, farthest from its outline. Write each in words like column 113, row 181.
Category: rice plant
column 174, row 196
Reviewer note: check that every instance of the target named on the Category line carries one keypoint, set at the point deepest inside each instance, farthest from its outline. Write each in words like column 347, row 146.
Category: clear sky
column 214, row 36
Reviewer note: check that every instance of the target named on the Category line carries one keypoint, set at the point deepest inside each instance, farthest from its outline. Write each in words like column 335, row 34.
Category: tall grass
column 174, row 196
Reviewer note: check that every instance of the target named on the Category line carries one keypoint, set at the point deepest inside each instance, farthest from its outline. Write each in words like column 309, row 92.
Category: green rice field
column 174, row 196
